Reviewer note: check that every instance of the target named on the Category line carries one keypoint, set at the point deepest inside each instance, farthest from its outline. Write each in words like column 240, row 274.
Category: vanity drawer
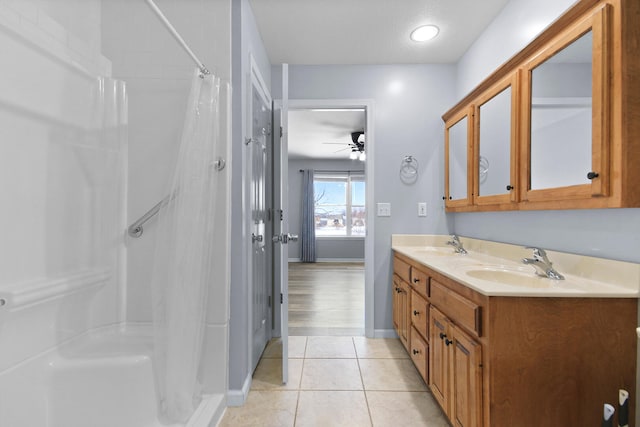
column 420, row 314
column 462, row 311
column 402, row 269
column 420, row 282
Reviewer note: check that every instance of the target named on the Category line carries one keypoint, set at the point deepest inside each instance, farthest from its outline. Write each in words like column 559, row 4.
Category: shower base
column 103, row 378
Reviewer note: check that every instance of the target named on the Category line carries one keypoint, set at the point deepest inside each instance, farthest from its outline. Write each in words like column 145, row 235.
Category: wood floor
column 326, row 299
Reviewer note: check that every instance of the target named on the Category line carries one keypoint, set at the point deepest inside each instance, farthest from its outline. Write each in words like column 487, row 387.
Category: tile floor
column 337, row 381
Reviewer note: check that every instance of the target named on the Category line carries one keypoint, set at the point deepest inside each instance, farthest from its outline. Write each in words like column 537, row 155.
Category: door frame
column 369, row 240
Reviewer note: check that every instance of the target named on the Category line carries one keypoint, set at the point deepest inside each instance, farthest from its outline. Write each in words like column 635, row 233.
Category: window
column 339, row 204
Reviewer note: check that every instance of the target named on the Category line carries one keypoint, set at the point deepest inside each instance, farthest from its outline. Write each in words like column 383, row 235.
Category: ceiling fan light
column 363, row 156
column 424, row 33
column 353, row 155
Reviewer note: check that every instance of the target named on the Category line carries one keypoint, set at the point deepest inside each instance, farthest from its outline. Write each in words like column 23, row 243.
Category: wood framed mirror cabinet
column 558, row 125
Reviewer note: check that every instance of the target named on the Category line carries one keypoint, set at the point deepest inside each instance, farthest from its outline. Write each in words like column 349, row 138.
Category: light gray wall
column 408, row 103
column 606, row 233
column 519, row 22
column 245, row 39
column 326, row 247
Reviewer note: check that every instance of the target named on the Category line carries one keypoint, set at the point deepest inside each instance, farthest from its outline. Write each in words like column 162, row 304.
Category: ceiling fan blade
column 336, row 143
column 342, row 149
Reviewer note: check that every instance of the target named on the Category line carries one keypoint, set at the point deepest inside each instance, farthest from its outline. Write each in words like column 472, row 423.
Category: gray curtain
column 308, row 238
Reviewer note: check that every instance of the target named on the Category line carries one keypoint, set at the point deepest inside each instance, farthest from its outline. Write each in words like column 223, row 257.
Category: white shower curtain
column 183, row 255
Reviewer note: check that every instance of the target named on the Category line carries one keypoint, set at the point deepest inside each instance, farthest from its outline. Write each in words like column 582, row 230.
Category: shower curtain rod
column 176, row 35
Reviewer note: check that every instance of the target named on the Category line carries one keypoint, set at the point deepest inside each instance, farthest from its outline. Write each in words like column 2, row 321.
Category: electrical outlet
column 384, row 209
column 422, row 209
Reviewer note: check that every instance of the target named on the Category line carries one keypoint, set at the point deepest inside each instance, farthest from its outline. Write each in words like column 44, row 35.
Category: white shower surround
column 63, row 259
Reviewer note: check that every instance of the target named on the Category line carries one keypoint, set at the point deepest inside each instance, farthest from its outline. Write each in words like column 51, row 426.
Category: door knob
column 285, row 238
column 257, row 238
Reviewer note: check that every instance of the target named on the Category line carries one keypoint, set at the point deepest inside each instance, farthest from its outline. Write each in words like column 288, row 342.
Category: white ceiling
column 323, row 134
column 369, row 31
column 317, row 32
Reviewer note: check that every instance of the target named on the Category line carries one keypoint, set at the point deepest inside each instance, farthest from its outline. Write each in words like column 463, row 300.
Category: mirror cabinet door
column 457, row 146
column 567, row 139
column 495, row 161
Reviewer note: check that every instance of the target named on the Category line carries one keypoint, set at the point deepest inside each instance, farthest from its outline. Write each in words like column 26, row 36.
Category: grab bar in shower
column 136, row 229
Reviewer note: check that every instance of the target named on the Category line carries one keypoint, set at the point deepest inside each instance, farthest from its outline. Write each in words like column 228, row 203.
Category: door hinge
column 269, row 301
column 281, row 299
column 280, row 131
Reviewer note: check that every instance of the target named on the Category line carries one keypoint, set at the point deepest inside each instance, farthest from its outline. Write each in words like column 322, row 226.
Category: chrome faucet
column 541, row 263
column 455, row 242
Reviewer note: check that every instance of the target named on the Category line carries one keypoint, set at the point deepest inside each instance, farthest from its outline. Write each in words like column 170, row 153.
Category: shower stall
column 103, row 119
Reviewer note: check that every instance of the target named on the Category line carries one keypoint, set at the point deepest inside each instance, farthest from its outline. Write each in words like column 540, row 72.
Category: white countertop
column 495, row 269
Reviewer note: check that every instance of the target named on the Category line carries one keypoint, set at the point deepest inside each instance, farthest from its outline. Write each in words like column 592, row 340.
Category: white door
column 281, row 223
column 260, row 268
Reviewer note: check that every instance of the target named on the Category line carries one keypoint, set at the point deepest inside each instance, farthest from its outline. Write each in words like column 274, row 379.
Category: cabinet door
column 401, row 310
column 438, row 357
column 467, row 380
column 566, row 115
column 420, row 353
column 405, row 315
column 395, row 295
column 458, row 153
column 495, row 149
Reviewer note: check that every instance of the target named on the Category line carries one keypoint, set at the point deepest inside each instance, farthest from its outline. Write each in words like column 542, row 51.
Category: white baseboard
column 385, row 333
column 238, row 397
column 331, row 260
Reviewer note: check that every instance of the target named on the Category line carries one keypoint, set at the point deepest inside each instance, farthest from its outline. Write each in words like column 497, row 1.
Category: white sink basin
column 513, row 277
column 434, row 251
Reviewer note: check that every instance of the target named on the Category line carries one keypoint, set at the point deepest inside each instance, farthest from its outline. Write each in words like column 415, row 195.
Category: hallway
column 337, row 381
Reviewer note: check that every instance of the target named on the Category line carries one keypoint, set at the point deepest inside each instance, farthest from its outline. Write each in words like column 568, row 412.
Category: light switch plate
column 422, row 209
column 384, row 209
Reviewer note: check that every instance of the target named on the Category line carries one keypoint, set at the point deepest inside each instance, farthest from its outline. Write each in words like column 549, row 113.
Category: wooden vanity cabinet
column 496, row 361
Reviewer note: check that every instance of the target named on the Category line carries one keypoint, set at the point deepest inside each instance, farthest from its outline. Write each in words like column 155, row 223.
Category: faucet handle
column 537, row 251
column 540, row 254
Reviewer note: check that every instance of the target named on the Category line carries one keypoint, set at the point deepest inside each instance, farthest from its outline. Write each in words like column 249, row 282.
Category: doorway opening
column 328, row 297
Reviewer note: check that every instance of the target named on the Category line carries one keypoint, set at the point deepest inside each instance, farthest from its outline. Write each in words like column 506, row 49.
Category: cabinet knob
column 416, row 351
column 416, row 280
column 442, row 336
column 444, row 198
column 416, row 312
column 592, row 175
column 509, row 187
column 450, row 197
column 448, row 342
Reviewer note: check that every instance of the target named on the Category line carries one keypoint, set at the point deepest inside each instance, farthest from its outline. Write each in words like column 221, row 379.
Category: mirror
column 494, row 171
column 561, row 93
column 458, row 160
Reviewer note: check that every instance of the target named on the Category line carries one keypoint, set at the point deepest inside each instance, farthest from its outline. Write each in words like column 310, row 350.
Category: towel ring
column 409, row 170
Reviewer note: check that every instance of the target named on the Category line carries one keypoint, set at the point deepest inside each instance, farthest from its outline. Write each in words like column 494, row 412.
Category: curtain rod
column 334, row 171
column 176, row 35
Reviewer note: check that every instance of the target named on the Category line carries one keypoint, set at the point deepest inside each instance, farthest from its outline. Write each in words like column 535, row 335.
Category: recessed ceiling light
column 424, row 33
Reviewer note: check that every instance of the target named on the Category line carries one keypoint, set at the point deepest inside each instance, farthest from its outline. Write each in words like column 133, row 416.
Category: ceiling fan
column 356, row 145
